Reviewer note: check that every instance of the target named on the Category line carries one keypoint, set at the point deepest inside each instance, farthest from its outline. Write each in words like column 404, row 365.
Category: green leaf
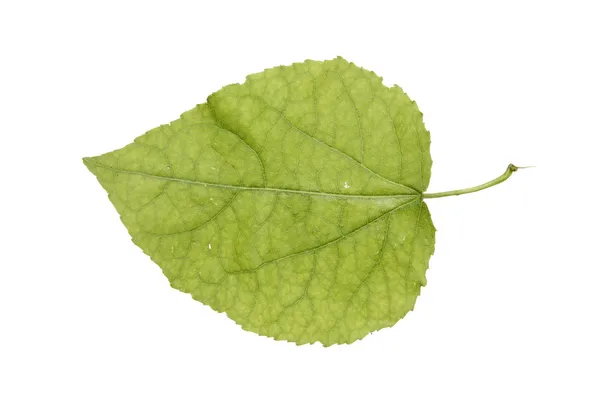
column 292, row 202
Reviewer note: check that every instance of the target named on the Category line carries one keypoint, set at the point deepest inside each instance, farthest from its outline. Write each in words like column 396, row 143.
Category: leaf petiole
column 509, row 170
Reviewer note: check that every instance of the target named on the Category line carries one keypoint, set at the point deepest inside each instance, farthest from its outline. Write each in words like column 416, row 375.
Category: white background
column 512, row 307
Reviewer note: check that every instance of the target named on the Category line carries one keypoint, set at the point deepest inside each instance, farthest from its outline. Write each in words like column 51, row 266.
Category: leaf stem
column 509, row 170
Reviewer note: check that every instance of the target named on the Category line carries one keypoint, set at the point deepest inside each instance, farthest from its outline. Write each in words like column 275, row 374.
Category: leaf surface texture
column 292, row 202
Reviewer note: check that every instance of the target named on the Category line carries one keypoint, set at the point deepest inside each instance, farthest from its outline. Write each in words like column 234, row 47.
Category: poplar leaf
column 292, row 202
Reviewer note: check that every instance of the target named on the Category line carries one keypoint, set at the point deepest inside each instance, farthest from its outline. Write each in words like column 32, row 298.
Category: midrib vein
column 250, row 188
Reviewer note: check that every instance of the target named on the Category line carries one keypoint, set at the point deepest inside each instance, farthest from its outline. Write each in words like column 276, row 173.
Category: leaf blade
column 293, row 237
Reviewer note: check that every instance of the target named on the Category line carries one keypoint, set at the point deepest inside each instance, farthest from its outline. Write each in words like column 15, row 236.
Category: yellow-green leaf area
column 292, row 202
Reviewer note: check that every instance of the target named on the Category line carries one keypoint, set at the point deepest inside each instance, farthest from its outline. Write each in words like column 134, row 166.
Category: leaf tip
column 89, row 163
